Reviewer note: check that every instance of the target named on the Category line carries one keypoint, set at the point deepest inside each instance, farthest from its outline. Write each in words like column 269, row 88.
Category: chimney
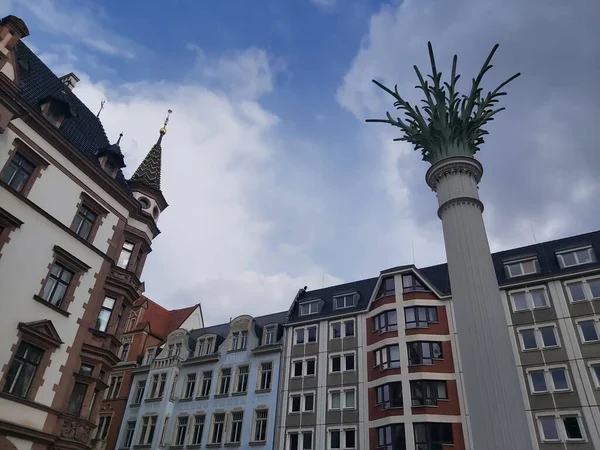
column 12, row 29
column 69, row 80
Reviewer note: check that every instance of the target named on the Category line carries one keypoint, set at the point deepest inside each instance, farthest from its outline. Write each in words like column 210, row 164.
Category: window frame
column 309, row 304
column 343, row 329
column 199, row 423
column 343, row 399
column 416, row 285
column 300, row 432
column 548, row 379
column 230, row 427
column 587, row 290
column 206, row 384
column 304, row 362
column 28, row 154
column 213, row 424
column 397, row 385
column 343, row 362
column 238, row 378
column 262, row 370
column 538, row 337
column 129, row 434
column 417, row 321
column 560, row 427
column 255, row 421
column 220, row 382
column 139, row 392
column 388, row 327
column 269, row 331
column 302, row 405
column 426, row 401
column 189, row 385
column 353, row 297
column 21, row 361
column 87, row 202
column 112, row 392
column 385, row 365
column 145, row 437
column 179, row 436
column 342, row 430
column 103, row 428
column 305, row 335
column 592, row 365
column 561, row 259
column 508, row 271
column 431, row 351
column 103, row 309
column 528, row 298
column 595, row 320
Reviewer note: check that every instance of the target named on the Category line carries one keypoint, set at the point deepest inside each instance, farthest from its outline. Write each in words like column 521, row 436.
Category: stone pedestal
column 495, row 404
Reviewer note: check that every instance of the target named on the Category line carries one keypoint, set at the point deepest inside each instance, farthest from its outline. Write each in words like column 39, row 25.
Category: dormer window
column 525, row 266
column 345, row 301
column 269, row 336
column 387, row 287
column 239, row 340
column 205, row 346
column 576, row 257
column 309, row 308
column 410, row 283
column 55, row 111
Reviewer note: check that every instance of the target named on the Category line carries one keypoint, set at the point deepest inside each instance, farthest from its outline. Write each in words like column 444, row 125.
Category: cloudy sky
column 274, row 180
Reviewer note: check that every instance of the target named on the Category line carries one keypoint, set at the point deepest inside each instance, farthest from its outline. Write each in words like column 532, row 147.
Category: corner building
column 74, row 237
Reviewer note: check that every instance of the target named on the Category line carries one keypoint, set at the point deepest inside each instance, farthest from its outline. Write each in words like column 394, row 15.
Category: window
column 205, row 346
column 178, row 349
column 235, row 337
column 427, row 392
column 386, row 321
column 529, row 299
column 163, row 433
column 300, row 440
column 536, row 338
column 431, row 435
column 17, row 172
column 190, row 385
column 174, row 386
column 309, row 308
column 342, row 439
column 424, row 352
column 114, row 386
column 124, row 352
column 242, row 380
column 139, row 392
column 588, row 330
column 76, row 399
column 103, row 427
column 260, row 425
column 216, row 436
column 269, row 337
column 149, row 356
column 132, row 321
column 206, row 382
column 342, row 363
column 170, row 350
column 387, row 357
column 225, row 381
column 84, row 221
column 387, row 287
column 181, row 430
column 522, row 267
column 595, row 368
column 86, row 370
column 125, row 255
column 342, row 329
column 564, row 428
column 345, row 301
column 391, row 437
column 576, row 257
column 304, row 368
column 198, row 429
column 128, row 438
column 389, row 395
column 302, row 402
column 158, row 385
column 237, row 419
column 148, row 429
column 265, row 376
column 56, row 284
column 342, row 399
column 549, row 379
column 420, row 316
column 105, row 313
column 410, row 283
column 306, row 335
column 586, row 289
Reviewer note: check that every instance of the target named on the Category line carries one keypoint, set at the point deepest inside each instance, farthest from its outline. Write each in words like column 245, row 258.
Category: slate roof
column 82, row 129
column 148, row 172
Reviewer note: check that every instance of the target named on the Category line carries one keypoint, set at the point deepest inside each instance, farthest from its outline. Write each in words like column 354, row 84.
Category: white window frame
column 201, row 383
column 238, row 374
column 260, row 372
column 561, row 260
column 176, row 430
column 560, row 427
column 343, row 331
column 587, row 291
column 538, row 337
column 186, row 383
column 302, row 395
column 104, row 421
column 310, row 308
column 528, row 298
column 255, row 424
column 229, row 427
column 143, row 439
column 342, row 431
column 136, row 391
column 220, row 379
column 212, row 429
column 204, row 344
column 149, row 355
column 113, row 389
column 305, row 334
column 341, row 355
column 300, row 432
column 353, row 296
column 304, row 367
column 595, row 319
column 198, row 419
column 342, row 392
column 550, row 387
column 508, row 271
column 591, row 364
column 273, row 329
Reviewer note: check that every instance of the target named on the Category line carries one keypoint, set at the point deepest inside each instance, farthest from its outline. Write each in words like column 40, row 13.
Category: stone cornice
column 454, row 164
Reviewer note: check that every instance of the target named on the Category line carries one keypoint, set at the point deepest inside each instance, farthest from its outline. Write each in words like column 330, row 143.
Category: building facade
column 74, row 237
column 147, row 327
column 208, row 388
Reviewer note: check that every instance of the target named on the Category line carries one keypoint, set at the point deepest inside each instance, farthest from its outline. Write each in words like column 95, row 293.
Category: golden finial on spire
column 163, row 130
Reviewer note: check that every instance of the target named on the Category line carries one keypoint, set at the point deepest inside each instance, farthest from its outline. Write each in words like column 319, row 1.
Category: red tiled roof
column 161, row 320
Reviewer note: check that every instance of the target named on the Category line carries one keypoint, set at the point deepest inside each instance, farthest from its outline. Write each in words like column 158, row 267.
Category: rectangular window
column 387, row 287
column 342, row 363
column 387, row 357
column 178, row 349
column 124, row 351
column 300, row 440
column 343, row 399
column 386, row 321
column 536, row 338
column 342, row 439
column 181, row 430
column 309, row 308
column 235, row 338
column 86, row 370
column 564, row 428
column 529, row 299
column 198, row 429
column 105, row 312
column 205, row 346
column 237, row 418
column 22, row 370
column 225, row 381
column 576, row 257
column 216, row 436
column 265, row 376
column 190, row 385
column 163, row 433
column 424, row 352
column 125, row 255
column 431, row 435
column 522, row 267
column 57, row 284
column 304, row 368
column 269, row 337
column 260, row 425
column 411, row 283
column 389, row 395
column 304, row 402
column 149, row 356
column 427, row 392
column 341, row 329
column 148, row 429
column 139, row 392
column 17, row 172
column 391, row 437
column 583, row 290
column 242, row 380
column 345, row 301
column 114, row 386
column 305, row 335
column 103, row 427
column 206, row 382
column 553, row 379
column 588, row 330
column 76, row 398
column 158, row 385
column 128, row 438
column 420, row 316
column 84, row 222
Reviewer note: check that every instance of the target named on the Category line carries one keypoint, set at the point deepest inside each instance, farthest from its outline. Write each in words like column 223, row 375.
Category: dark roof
column 364, row 288
column 82, row 129
column 148, row 173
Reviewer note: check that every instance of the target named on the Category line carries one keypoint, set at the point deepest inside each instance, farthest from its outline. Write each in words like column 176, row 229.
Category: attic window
column 309, row 308
column 576, row 257
column 54, row 111
column 521, row 267
column 345, row 301
column 410, row 283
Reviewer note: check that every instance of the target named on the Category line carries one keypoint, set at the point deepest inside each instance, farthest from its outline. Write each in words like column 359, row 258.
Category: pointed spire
column 119, row 140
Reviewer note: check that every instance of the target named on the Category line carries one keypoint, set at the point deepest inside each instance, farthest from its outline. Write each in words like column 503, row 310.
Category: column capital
column 453, row 164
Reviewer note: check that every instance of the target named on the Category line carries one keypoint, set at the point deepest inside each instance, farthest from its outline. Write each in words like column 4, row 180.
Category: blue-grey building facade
column 208, row 388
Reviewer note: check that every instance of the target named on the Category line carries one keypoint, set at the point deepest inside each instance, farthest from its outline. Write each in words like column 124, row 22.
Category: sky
column 273, row 178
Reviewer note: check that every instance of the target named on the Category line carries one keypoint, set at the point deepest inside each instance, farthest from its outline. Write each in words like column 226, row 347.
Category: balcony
column 171, row 361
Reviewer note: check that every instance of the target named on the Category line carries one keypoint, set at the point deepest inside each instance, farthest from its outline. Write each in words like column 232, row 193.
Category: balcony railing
column 166, row 362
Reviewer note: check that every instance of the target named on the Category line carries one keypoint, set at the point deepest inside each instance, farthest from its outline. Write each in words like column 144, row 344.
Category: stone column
column 493, row 395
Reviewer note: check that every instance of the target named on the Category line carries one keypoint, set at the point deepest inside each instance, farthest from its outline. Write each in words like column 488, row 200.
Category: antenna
column 101, row 107
column 533, row 232
column 412, row 244
column 323, row 279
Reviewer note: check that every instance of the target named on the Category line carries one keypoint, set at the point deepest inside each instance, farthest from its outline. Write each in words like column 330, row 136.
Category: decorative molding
column 7, row 220
column 68, row 259
column 458, row 200
column 75, row 430
column 455, row 164
column 43, row 330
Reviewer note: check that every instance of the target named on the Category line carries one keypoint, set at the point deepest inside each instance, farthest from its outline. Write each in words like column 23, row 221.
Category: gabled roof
column 160, row 320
